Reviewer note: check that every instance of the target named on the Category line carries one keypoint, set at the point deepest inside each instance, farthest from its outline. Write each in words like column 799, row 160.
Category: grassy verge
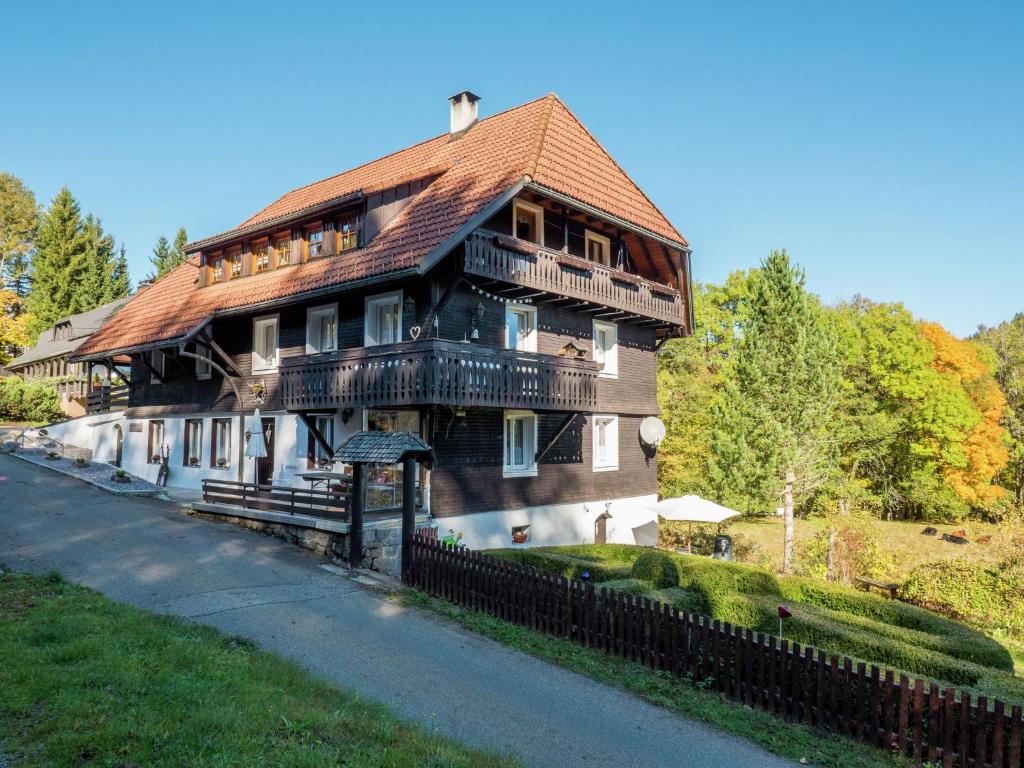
column 87, row 681
column 685, row 698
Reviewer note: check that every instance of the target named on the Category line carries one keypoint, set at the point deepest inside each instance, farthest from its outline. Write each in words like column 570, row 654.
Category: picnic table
column 325, row 477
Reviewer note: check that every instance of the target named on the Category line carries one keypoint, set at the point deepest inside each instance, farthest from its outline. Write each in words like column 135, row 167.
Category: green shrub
column 966, row 591
column 660, row 568
column 629, row 586
column 35, row 401
column 562, row 565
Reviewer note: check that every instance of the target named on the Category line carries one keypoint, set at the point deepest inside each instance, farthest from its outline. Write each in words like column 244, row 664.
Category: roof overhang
column 600, row 214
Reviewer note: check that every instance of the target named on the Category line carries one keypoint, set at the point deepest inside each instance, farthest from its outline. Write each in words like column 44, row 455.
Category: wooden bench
column 885, row 587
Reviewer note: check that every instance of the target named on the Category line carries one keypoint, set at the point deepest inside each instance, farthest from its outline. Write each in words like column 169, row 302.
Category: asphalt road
column 149, row 553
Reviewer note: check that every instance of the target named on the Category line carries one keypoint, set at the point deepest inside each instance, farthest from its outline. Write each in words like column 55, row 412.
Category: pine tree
column 120, row 283
column 178, row 249
column 96, row 286
column 167, row 256
column 771, row 439
column 61, row 264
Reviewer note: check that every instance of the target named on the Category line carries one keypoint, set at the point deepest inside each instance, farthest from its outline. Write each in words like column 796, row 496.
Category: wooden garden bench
column 884, row 586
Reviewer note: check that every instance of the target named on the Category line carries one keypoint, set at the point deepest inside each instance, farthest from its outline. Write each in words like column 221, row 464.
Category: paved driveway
column 148, row 553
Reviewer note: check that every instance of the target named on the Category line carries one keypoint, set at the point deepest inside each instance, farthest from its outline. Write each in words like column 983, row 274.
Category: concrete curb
column 95, row 484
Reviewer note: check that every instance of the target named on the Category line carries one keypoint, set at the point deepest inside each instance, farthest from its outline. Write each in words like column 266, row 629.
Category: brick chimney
column 463, row 111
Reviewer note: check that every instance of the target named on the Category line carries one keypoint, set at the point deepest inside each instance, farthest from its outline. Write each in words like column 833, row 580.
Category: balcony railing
column 438, row 372
column 504, row 258
column 106, row 399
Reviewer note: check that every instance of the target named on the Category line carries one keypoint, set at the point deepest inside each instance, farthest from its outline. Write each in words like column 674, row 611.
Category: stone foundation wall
column 382, row 544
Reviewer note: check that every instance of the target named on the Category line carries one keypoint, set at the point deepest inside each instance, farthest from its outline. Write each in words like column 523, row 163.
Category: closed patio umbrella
column 693, row 509
column 257, row 445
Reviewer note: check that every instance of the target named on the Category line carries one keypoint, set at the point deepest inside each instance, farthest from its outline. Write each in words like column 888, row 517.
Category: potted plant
column 193, row 462
column 120, row 476
column 154, row 459
column 81, row 462
column 222, row 463
column 52, row 455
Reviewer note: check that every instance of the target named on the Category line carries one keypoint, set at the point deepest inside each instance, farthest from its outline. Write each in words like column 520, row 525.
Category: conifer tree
column 120, row 283
column 167, row 256
column 61, row 263
column 771, row 440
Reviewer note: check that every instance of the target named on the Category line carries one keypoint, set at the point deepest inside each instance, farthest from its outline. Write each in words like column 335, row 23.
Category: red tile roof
column 541, row 139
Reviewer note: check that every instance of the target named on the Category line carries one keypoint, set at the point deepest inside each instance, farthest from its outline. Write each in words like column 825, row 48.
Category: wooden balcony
column 435, row 372
column 519, row 262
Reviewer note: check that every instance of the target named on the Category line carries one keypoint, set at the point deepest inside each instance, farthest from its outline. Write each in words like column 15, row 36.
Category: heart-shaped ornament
column 414, row 331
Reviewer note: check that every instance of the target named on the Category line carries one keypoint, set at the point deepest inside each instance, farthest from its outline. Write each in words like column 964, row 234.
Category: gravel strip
column 95, row 473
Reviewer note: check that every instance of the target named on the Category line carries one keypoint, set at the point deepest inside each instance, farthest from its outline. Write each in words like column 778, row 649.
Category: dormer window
column 282, row 251
column 314, row 243
column 599, row 248
column 235, row 262
column 348, row 234
column 528, row 222
column 261, row 256
column 217, row 273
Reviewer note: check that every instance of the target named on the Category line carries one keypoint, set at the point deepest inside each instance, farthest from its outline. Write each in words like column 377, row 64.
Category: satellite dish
column 652, row 431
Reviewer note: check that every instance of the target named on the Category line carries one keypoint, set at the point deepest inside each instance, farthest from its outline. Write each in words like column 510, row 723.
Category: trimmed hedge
column 659, row 568
column 563, row 565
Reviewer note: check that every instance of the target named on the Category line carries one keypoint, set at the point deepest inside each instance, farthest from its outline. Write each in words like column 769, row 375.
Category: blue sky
column 880, row 142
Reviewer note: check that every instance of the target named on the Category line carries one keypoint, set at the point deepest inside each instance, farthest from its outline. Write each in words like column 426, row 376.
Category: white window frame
column 317, row 448
column 203, row 370
column 312, row 315
column 530, row 342
column 370, row 315
column 610, row 368
column 154, row 356
column 588, row 237
column 189, row 428
column 214, row 449
column 611, row 433
column 533, row 208
column 259, row 365
column 528, row 468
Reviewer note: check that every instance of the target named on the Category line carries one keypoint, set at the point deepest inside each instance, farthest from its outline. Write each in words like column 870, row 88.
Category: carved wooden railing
column 438, row 372
column 500, row 257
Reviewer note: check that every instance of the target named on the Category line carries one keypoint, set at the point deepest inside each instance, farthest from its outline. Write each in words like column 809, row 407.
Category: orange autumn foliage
column 982, row 450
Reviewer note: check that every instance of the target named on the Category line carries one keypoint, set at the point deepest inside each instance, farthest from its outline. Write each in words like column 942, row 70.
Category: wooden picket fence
column 915, row 718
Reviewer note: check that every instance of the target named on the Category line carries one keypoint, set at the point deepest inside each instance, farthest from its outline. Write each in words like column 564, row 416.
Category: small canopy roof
column 383, row 448
column 693, row 509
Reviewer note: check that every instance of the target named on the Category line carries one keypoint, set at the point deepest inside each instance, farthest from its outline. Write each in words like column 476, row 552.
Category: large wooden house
column 501, row 290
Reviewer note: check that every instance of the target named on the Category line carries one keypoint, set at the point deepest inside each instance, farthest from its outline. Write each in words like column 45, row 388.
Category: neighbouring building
column 500, row 289
column 49, row 360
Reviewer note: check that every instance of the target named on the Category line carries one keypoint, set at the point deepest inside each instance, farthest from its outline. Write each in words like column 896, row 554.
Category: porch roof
column 383, row 448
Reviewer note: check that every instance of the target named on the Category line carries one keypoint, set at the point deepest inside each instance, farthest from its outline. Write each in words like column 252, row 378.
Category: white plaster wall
column 553, row 524
column 96, row 432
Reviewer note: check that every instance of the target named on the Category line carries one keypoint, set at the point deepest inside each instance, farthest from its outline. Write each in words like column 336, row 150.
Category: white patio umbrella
column 693, row 509
column 257, row 445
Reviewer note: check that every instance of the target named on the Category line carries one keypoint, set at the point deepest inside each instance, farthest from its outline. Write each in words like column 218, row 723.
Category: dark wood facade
column 452, row 365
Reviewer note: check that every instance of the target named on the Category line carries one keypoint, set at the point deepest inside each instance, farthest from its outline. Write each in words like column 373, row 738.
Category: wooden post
column 408, row 515
column 355, row 523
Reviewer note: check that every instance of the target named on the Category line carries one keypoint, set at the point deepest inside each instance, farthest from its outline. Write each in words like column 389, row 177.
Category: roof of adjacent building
column 82, row 326
column 540, row 142
column 383, row 448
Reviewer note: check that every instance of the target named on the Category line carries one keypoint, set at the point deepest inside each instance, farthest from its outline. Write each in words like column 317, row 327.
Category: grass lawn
column 87, row 681
column 685, row 698
column 904, row 540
